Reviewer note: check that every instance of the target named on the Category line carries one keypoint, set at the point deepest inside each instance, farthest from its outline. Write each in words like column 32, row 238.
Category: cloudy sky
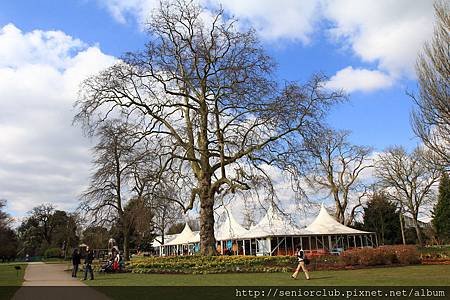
column 368, row 48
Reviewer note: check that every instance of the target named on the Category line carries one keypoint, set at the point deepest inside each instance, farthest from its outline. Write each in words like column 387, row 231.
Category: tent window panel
column 247, row 245
column 297, row 242
column 306, row 243
column 289, row 245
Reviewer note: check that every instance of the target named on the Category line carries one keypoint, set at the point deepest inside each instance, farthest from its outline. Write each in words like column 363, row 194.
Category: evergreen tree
column 381, row 216
column 441, row 212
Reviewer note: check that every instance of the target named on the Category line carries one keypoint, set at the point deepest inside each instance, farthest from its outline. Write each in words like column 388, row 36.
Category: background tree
column 166, row 213
column 381, row 216
column 45, row 228
column 336, row 167
column 138, row 220
column 206, row 94
column 96, row 237
column 8, row 237
column 113, row 183
column 4, row 217
column 431, row 119
column 408, row 179
column 441, row 211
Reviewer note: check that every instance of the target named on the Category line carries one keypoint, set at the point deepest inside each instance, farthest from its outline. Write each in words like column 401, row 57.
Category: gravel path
column 52, row 281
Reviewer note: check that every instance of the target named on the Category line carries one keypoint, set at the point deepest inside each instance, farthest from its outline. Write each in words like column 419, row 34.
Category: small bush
column 52, row 253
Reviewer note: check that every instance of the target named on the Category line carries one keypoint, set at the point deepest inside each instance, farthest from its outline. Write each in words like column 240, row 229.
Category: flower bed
column 215, row 264
column 386, row 255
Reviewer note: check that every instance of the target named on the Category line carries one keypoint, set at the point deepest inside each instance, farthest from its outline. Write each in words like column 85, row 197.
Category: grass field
column 10, row 279
column 9, row 275
column 409, row 275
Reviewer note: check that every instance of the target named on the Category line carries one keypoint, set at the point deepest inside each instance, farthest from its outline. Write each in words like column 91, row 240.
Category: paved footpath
column 52, row 281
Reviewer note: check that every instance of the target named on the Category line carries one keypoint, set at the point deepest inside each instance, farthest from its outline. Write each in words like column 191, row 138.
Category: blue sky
column 369, row 49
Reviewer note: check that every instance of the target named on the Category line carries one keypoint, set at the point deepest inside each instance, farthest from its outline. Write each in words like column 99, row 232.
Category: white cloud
column 386, row 33
column 36, row 47
column 285, row 19
column 389, row 33
column 351, row 80
column 43, row 158
column 122, row 10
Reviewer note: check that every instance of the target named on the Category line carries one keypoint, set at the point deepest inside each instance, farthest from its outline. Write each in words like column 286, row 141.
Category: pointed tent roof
column 185, row 237
column 230, row 229
column 326, row 224
column 167, row 239
column 273, row 223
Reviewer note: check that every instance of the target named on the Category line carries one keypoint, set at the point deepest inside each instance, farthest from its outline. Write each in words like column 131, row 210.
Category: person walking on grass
column 76, row 261
column 302, row 261
column 88, row 264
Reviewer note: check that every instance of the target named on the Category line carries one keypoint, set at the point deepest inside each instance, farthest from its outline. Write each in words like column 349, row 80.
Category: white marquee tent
column 275, row 234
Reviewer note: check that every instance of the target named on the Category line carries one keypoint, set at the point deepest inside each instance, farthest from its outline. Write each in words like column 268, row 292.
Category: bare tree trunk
column 126, row 250
column 416, row 227
column 207, row 239
column 401, row 228
column 339, row 209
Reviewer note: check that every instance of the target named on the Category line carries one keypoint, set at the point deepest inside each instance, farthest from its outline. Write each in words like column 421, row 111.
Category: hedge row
column 386, row 255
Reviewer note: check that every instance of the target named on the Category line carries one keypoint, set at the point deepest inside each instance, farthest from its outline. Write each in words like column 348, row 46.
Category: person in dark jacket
column 301, row 263
column 88, row 264
column 76, row 261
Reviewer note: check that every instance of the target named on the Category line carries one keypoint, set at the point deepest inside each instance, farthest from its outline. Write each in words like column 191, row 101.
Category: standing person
column 76, row 260
column 301, row 263
column 88, row 264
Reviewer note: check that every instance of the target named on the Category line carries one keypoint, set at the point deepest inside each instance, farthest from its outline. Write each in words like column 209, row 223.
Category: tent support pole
column 293, row 247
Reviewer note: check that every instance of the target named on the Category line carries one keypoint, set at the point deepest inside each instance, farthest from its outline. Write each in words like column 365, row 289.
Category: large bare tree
column 206, row 94
column 335, row 167
column 408, row 179
column 431, row 119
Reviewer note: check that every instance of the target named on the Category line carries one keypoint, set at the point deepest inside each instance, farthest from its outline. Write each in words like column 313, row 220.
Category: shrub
column 350, row 257
column 384, row 255
column 52, row 253
column 407, row 255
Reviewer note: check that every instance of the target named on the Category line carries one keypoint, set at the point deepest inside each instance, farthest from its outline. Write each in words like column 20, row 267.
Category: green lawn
column 410, row 275
column 10, row 279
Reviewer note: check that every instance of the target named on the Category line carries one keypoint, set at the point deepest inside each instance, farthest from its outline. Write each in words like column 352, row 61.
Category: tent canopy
column 187, row 236
column 273, row 224
column 229, row 229
column 167, row 238
column 326, row 224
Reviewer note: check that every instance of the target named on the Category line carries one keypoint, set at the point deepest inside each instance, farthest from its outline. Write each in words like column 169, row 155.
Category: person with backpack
column 302, row 262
